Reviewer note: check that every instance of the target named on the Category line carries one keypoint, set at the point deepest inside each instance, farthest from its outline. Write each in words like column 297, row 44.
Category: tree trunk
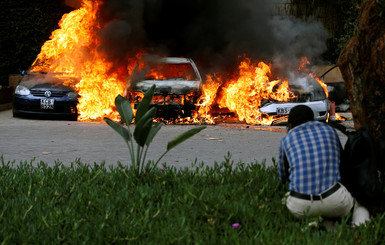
column 362, row 65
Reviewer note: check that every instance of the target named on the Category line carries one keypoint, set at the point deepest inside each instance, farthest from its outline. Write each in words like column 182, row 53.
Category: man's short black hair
column 300, row 114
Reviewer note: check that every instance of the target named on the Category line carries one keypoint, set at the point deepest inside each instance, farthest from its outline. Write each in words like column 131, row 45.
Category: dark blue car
column 45, row 94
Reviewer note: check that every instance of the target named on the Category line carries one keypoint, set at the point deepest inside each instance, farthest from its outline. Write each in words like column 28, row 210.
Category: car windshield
column 33, row 78
column 170, row 71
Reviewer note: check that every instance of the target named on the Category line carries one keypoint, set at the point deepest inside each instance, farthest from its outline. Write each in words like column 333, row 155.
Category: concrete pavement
column 66, row 141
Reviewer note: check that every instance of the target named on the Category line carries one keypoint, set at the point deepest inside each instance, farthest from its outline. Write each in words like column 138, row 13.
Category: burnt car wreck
column 178, row 86
column 307, row 92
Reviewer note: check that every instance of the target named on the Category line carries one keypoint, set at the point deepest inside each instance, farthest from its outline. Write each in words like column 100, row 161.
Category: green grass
column 95, row 204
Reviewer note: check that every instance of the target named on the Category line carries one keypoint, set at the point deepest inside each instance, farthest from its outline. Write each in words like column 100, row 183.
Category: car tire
column 15, row 114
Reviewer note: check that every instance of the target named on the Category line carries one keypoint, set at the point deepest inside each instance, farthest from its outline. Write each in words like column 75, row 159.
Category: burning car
column 307, row 92
column 178, row 85
column 45, row 94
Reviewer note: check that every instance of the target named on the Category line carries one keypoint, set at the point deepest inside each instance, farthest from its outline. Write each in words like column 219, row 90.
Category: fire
column 68, row 47
column 209, row 93
column 164, row 72
column 72, row 49
column 73, row 52
column 97, row 92
column 244, row 94
column 303, row 64
column 323, row 85
column 339, row 117
column 156, row 75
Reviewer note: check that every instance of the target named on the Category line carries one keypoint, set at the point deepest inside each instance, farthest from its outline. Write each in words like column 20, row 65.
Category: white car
column 178, row 85
column 308, row 92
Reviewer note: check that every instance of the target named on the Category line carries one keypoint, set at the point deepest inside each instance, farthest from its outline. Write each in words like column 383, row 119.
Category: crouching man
column 309, row 160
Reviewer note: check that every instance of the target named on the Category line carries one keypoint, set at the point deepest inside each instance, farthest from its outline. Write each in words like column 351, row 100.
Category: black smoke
column 215, row 33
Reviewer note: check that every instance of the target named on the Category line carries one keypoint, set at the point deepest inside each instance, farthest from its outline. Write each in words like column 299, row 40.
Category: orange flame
column 304, row 62
column 323, row 85
column 72, row 50
column 207, row 99
column 339, row 117
column 70, row 45
column 244, row 94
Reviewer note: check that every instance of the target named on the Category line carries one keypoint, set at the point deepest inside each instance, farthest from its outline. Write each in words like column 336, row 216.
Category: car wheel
column 15, row 114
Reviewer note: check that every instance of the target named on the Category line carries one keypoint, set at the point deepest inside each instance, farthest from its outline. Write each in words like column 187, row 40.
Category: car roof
column 175, row 60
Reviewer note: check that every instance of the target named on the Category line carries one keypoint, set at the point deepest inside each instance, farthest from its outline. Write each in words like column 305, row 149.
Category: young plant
column 144, row 131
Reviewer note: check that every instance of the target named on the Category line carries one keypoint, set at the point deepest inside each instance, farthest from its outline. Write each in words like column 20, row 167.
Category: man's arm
column 283, row 165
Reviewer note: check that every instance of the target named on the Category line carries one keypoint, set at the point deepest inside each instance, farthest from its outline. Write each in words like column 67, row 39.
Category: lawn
column 230, row 203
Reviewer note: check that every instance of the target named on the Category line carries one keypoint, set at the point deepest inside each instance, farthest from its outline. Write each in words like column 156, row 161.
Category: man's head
column 298, row 115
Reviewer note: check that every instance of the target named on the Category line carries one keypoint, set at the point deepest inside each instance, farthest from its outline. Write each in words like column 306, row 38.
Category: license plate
column 283, row 110
column 47, row 104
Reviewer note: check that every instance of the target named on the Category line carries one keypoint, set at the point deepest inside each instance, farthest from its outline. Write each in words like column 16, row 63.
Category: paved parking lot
column 66, row 141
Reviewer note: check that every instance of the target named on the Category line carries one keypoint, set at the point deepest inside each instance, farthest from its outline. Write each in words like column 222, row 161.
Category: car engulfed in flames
column 250, row 93
column 307, row 92
column 178, row 86
column 255, row 96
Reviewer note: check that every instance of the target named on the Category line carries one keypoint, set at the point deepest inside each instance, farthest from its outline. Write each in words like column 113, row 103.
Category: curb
column 4, row 107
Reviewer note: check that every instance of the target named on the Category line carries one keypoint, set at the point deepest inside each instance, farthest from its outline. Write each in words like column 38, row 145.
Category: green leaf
column 149, row 114
column 144, row 126
column 144, row 104
column 184, row 136
column 123, row 106
column 122, row 131
column 142, row 131
column 153, row 132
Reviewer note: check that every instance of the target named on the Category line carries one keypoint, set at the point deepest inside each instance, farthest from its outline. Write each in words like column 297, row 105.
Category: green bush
column 227, row 204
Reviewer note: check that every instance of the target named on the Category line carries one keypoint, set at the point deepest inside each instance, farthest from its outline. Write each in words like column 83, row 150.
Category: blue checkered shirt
column 312, row 155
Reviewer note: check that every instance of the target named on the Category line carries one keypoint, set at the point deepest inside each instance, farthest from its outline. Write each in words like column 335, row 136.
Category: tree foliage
column 350, row 15
column 25, row 26
column 338, row 17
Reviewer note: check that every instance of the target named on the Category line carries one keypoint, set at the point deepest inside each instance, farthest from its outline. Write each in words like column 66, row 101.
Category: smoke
column 215, row 33
column 297, row 39
column 73, row 3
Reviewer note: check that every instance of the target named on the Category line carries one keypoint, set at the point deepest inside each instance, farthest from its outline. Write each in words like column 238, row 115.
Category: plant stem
column 131, row 152
column 144, row 157
column 137, row 163
column 160, row 158
column 140, row 159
